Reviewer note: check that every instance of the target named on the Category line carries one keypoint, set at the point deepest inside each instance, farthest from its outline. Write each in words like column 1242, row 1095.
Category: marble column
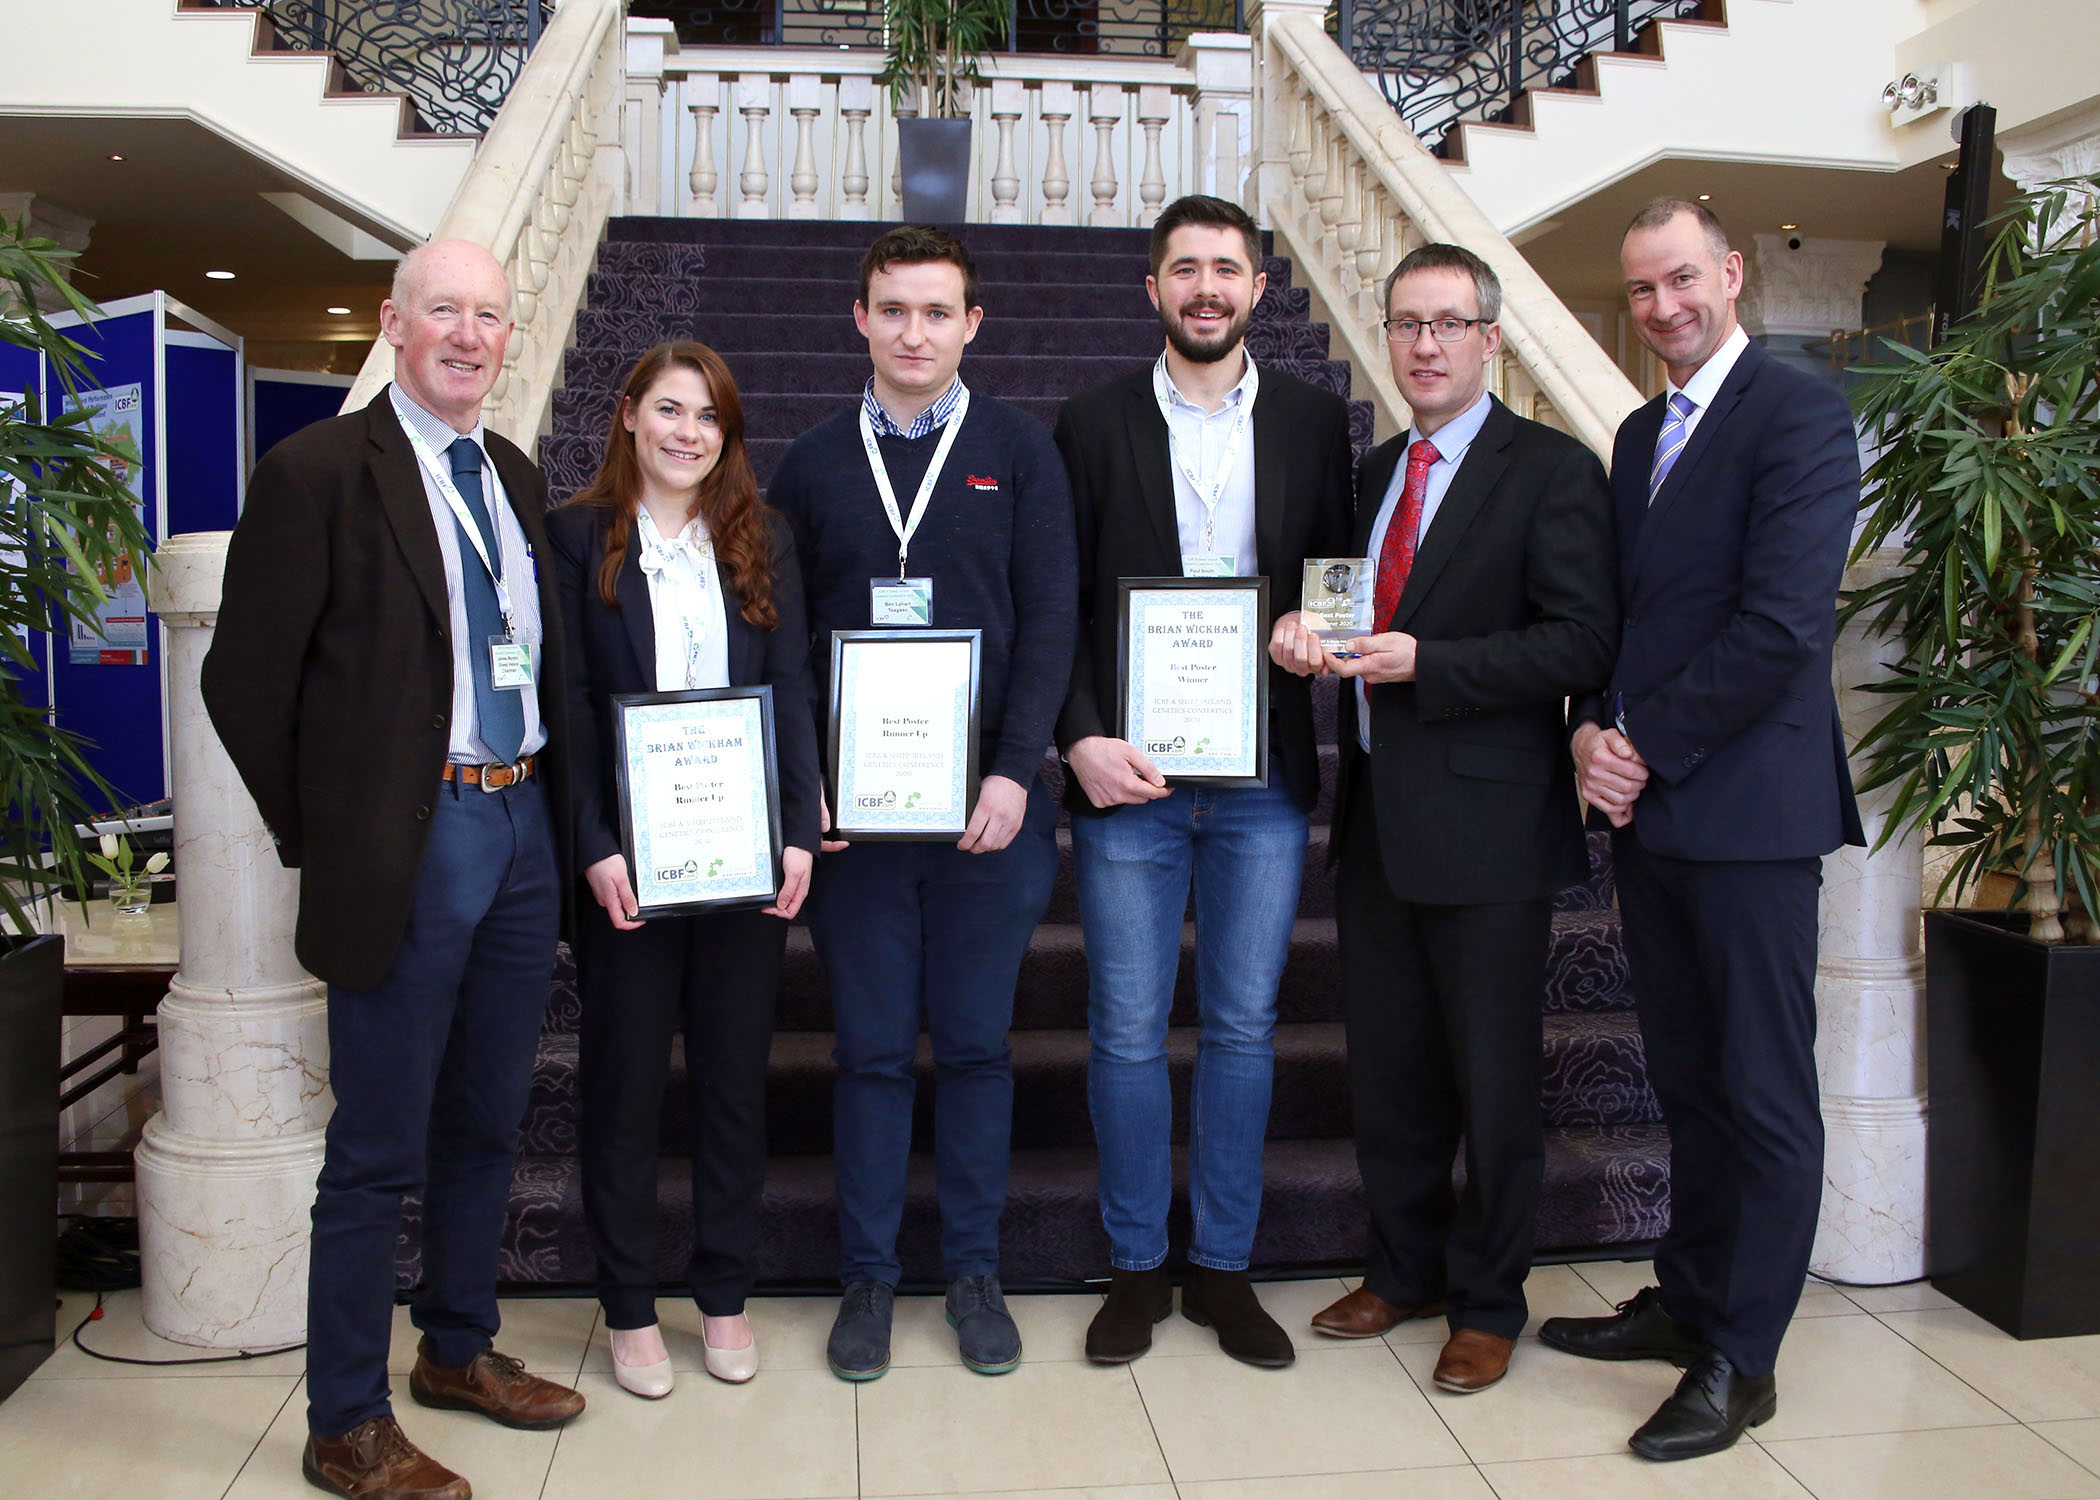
column 1870, row 1011
column 1798, row 290
column 226, row 1170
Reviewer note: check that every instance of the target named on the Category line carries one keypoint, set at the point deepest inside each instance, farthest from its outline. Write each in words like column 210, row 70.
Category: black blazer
column 329, row 679
column 1729, row 585
column 1114, row 443
column 615, row 652
column 1513, row 603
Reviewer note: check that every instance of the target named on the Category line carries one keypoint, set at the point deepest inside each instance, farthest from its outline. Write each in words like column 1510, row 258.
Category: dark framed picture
column 699, row 789
column 904, row 726
column 1192, row 670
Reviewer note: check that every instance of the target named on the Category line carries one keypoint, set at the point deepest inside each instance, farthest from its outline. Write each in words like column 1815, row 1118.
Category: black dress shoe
column 1122, row 1330
column 1639, row 1329
column 1225, row 1300
column 1708, row 1411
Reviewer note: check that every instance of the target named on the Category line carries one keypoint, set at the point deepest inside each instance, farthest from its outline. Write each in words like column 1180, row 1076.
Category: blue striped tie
column 1670, row 442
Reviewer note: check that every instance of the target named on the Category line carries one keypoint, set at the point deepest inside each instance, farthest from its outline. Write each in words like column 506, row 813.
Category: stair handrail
column 545, row 180
column 1350, row 190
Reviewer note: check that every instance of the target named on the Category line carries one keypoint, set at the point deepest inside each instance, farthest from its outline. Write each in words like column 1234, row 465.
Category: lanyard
column 442, row 478
column 1210, row 499
column 898, row 523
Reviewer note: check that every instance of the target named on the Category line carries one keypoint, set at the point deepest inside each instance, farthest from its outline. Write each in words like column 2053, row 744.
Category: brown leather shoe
column 1363, row 1314
column 375, row 1461
column 496, row 1386
column 1472, row 1361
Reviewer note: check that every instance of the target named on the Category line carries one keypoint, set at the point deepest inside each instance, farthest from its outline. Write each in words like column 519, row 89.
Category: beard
column 1204, row 348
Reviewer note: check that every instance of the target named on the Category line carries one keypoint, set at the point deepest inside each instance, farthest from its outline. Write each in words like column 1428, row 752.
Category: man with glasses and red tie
column 1455, row 819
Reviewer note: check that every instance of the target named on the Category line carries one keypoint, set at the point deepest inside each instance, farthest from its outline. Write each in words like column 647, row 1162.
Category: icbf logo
column 876, row 799
column 687, row 871
column 1175, row 746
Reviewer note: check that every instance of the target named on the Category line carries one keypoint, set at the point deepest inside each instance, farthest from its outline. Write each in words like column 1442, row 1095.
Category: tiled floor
column 1884, row 1395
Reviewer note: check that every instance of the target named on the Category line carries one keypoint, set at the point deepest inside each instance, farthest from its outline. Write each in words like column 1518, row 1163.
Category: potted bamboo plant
column 1988, row 480
column 65, row 518
column 931, row 66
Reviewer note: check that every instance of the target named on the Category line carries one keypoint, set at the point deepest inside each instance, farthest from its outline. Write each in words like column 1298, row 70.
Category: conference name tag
column 510, row 663
column 1203, row 565
column 900, row 601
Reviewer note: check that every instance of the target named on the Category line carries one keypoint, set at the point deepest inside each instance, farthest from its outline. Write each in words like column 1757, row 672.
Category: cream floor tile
column 2080, row 1439
column 1334, row 1411
column 2005, row 1463
column 1549, row 1291
column 499, row 1463
column 1291, row 1303
column 789, row 1331
column 1839, row 1376
column 1053, row 1328
column 941, row 1429
column 162, row 1438
column 1744, row 1472
column 1549, row 1405
column 122, row 1330
column 789, row 1437
column 2037, row 1380
column 1086, row 1492
column 1462, row 1483
column 1914, row 1296
column 550, row 1334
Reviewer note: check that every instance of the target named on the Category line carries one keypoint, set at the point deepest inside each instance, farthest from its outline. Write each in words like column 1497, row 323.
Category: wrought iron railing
column 1141, row 28
column 454, row 60
column 1441, row 62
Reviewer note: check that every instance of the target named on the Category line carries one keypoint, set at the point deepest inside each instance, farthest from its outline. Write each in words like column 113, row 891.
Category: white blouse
column 685, row 596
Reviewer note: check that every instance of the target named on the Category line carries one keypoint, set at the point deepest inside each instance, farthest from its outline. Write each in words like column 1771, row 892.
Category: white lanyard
column 442, row 478
column 1163, row 389
column 898, row 523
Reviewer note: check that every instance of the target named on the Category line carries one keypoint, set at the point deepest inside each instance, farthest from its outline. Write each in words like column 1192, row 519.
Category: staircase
column 1065, row 309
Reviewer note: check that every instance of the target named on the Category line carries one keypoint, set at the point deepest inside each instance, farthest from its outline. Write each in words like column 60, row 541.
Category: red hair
column 737, row 520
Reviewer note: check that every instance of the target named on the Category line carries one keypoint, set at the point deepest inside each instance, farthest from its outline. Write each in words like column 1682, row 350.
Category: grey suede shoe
column 984, row 1330
column 860, row 1337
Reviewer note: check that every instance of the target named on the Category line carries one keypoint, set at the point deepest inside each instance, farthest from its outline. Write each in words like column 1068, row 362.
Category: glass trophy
column 1337, row 599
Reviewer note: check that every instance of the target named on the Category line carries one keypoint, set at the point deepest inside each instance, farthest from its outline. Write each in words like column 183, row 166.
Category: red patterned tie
column 1397, row 557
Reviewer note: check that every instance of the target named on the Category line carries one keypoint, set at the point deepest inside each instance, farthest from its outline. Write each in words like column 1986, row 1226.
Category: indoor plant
column 932, row 60
column 1988, row 480
column 64, row 515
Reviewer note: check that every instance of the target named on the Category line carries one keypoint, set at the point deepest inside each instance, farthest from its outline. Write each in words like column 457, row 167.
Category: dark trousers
column 431, row 1070
column 717, row 977
column 912, row 930
column 1723, row 962
column 1444, row 1007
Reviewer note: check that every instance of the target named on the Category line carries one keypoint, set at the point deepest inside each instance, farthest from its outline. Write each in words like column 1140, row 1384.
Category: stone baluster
column 1155, row 108
column 903, row 112
column 226, row 1170
column 856, row 103
column 1348, row 225
column 754, row 101
column 1104, row 112
column 1009, row 103
column 1374, row 234
column 1333, row 182
column 1314, row 177
column 703, row 93
column 1059, row 102
column 805, row 101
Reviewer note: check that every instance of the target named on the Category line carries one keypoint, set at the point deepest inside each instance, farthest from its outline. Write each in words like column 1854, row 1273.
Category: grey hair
column 1487, row 287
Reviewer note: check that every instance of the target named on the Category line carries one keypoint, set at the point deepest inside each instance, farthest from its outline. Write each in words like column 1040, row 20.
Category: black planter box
column 2013, row 1031
column 935, row 155
column 32, row 977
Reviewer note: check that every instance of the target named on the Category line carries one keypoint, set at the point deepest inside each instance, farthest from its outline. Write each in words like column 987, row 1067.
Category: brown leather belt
column 493, row 778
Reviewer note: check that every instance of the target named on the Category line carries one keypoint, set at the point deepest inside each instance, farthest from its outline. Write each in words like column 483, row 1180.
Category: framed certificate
column 1193, row 677
column 699, row 797
column 904, row 722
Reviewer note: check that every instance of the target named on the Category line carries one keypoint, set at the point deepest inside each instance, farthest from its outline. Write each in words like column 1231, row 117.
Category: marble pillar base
column 1872, row 1229
column 223, row 1230
column 255, row 1068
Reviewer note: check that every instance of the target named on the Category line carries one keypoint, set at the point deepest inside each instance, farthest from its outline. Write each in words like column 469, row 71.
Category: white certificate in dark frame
column 904, row 727
column 1193, row 677
column 699, row 791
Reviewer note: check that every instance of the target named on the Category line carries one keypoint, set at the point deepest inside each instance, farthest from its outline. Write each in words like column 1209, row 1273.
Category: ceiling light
column 339, row 312
column 218, row 275
column 1790, row 226
column 1706, row 197
column 115, row 157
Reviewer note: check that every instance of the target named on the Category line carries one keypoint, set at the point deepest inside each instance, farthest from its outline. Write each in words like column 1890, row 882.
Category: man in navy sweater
column 983, row 514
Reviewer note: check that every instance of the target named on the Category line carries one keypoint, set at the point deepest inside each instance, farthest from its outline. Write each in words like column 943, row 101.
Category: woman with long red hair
column 674, row 574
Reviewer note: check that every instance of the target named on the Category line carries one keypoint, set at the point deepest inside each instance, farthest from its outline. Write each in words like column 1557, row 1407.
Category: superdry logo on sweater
column 983, row 482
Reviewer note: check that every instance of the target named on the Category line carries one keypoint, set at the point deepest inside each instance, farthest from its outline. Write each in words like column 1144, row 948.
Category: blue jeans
column 1245, row 848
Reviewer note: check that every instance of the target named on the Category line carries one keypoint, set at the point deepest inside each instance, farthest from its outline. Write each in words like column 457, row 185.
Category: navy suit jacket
column 1728, row 584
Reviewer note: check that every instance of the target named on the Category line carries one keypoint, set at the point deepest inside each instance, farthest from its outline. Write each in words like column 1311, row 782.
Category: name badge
column 1204, row 565
column 900, row 601
column 510, row 663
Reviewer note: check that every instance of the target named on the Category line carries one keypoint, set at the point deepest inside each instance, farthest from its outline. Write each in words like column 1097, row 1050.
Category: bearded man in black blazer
column 1455, row 817
column 1719, row 758
column 387, row 679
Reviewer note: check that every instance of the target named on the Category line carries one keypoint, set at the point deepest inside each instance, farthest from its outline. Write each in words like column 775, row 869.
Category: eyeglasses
column 1443, row 330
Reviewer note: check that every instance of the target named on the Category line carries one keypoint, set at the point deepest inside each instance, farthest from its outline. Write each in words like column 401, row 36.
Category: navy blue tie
column 500, row 713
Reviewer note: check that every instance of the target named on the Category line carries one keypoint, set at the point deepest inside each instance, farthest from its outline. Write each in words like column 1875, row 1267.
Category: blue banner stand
column 280, row 402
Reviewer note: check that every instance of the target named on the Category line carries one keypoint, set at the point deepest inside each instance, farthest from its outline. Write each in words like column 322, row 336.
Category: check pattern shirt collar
column 933, row 419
